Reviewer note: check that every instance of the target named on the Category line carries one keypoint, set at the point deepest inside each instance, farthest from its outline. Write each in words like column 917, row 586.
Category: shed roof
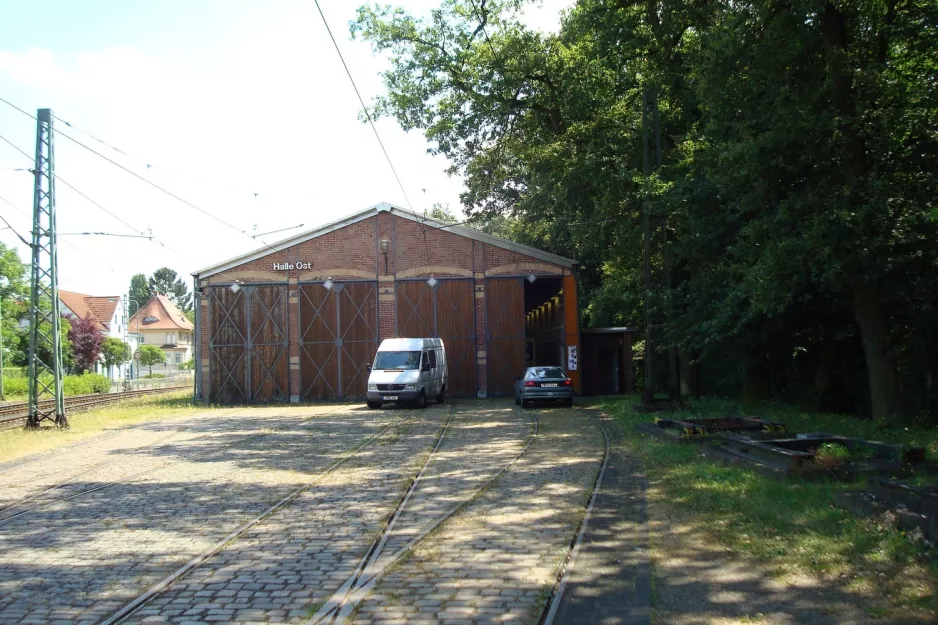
column 372, row 211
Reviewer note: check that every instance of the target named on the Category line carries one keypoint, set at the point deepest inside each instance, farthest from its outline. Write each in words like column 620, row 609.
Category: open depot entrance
column 525, row 328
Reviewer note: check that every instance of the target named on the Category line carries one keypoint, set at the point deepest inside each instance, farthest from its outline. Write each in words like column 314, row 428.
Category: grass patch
column 789, row 523
column 17, row 442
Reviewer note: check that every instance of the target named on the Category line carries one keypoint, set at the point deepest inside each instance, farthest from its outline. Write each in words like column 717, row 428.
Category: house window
column 178, row 358
column 141, row 339
column 171, row 339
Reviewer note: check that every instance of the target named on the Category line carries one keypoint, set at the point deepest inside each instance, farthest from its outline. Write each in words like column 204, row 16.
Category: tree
column 441, row 213
column 14, row 297
column 795, row 187
column 151, row 355
column 86, row 342
column 165, row 281
column 115, row 352
column 139, row 290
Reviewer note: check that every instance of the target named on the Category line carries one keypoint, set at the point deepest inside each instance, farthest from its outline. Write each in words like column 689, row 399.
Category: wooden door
column 446, row 311
column 227, row 314
column 338, row 338
column 505, row 333
column 267, row 347
column 455, row 324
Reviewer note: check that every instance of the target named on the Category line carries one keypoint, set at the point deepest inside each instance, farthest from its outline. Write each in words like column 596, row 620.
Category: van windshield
column 397, row 360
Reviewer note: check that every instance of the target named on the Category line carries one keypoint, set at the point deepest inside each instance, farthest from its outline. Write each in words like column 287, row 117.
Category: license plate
column 390, row 398
column 549, row 385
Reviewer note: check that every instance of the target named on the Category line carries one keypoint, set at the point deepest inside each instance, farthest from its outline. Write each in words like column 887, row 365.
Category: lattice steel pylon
column 45, row 339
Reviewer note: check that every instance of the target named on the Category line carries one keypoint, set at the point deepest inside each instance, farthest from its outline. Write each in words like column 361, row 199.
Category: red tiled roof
column 100, row 309
column 167, row 316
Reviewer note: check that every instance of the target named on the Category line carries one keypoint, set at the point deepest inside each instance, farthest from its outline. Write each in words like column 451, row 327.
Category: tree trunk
column 757, row 385
column 827, row 360
column 690, row 382
column 880, row 363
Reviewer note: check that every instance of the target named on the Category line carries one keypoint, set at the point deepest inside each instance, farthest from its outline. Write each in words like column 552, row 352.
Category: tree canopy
column 796, row 187
column 164, row 281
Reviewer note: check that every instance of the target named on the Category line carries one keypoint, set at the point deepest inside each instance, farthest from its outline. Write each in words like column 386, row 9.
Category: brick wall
column 354, row 252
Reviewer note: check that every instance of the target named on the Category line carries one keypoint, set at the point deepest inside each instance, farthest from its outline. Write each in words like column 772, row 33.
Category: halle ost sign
column 291, row 266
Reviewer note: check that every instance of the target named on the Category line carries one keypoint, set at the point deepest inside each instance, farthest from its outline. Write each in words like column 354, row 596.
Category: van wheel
column 374, row 405
column 421, row 400
column 441, row 396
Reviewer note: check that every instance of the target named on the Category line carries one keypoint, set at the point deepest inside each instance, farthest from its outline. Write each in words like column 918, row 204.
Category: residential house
column 159, row 322
column 109, row 314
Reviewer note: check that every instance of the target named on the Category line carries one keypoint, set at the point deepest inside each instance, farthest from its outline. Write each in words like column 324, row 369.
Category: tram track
column 343, row 602
column 552, row 606
column 94, row 467
column 15, row 414
column 129, row 478
column 130, row 608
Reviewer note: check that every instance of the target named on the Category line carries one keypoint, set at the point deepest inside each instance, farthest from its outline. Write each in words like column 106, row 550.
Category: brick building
column 301, row 319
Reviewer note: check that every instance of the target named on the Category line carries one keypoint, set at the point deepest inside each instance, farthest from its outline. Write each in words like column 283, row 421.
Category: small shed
column 606, row 361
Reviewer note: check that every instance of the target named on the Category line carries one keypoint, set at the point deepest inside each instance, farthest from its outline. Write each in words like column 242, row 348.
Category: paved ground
column 610, row 583
column 146, row 500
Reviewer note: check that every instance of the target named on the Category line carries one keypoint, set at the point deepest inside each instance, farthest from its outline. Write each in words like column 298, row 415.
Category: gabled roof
column 370, row 212
column 165, row 313
column 99, row 308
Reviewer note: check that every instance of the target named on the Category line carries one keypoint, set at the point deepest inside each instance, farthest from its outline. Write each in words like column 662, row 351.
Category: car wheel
column 525, row 403
column 374, row 405
column 442, row 396
column 421, row 400
column 568, row 403
column 517, row 400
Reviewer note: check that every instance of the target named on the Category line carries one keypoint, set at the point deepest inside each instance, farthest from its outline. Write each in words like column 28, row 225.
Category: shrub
column 154, row 375
column 15, row 386
column 84, row 384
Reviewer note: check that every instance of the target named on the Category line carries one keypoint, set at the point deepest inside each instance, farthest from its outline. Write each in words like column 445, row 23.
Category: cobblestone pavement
column 181, row 487
column 80, row 559
column 497, row 560
column 283, row 567
column 481, row 440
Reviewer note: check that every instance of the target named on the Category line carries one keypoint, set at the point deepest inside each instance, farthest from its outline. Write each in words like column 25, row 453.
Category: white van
column 408, row 371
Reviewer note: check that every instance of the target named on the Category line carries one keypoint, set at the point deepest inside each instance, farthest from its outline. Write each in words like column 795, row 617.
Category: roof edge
column 371, row 211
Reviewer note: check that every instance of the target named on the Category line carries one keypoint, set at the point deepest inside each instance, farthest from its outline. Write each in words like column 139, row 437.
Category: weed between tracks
column 791, row 524
column 15, row 443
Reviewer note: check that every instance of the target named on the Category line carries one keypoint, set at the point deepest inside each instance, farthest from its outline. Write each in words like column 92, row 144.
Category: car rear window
column 548, row 372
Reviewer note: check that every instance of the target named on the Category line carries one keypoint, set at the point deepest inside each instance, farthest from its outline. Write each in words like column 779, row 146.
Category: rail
column 12, row 414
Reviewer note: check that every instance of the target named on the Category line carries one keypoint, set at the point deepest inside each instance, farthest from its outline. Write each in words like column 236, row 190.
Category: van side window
column 432, row 355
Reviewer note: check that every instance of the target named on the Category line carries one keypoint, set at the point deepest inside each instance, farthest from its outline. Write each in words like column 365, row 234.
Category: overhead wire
column 371, row 121
column 73, row 188
column 93, row 257
column 19, row 236
column 138, row 176
column 146, row 163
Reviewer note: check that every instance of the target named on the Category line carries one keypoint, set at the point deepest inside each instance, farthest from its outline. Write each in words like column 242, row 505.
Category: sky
column 239, row 107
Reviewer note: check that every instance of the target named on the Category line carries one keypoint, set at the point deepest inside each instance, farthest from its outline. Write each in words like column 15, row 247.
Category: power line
column 150, row 238
column 130, row 171
column 136, row 175
column 73, row 188
column 364, row 107
column 143, row 162
column 104, row 234
column 25, row 242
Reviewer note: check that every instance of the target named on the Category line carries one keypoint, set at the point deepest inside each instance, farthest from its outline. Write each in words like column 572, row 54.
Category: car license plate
column 549, row 385
column 389, row 398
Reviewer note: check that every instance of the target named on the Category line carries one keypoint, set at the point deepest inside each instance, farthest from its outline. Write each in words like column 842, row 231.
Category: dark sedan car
column 543, row 384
